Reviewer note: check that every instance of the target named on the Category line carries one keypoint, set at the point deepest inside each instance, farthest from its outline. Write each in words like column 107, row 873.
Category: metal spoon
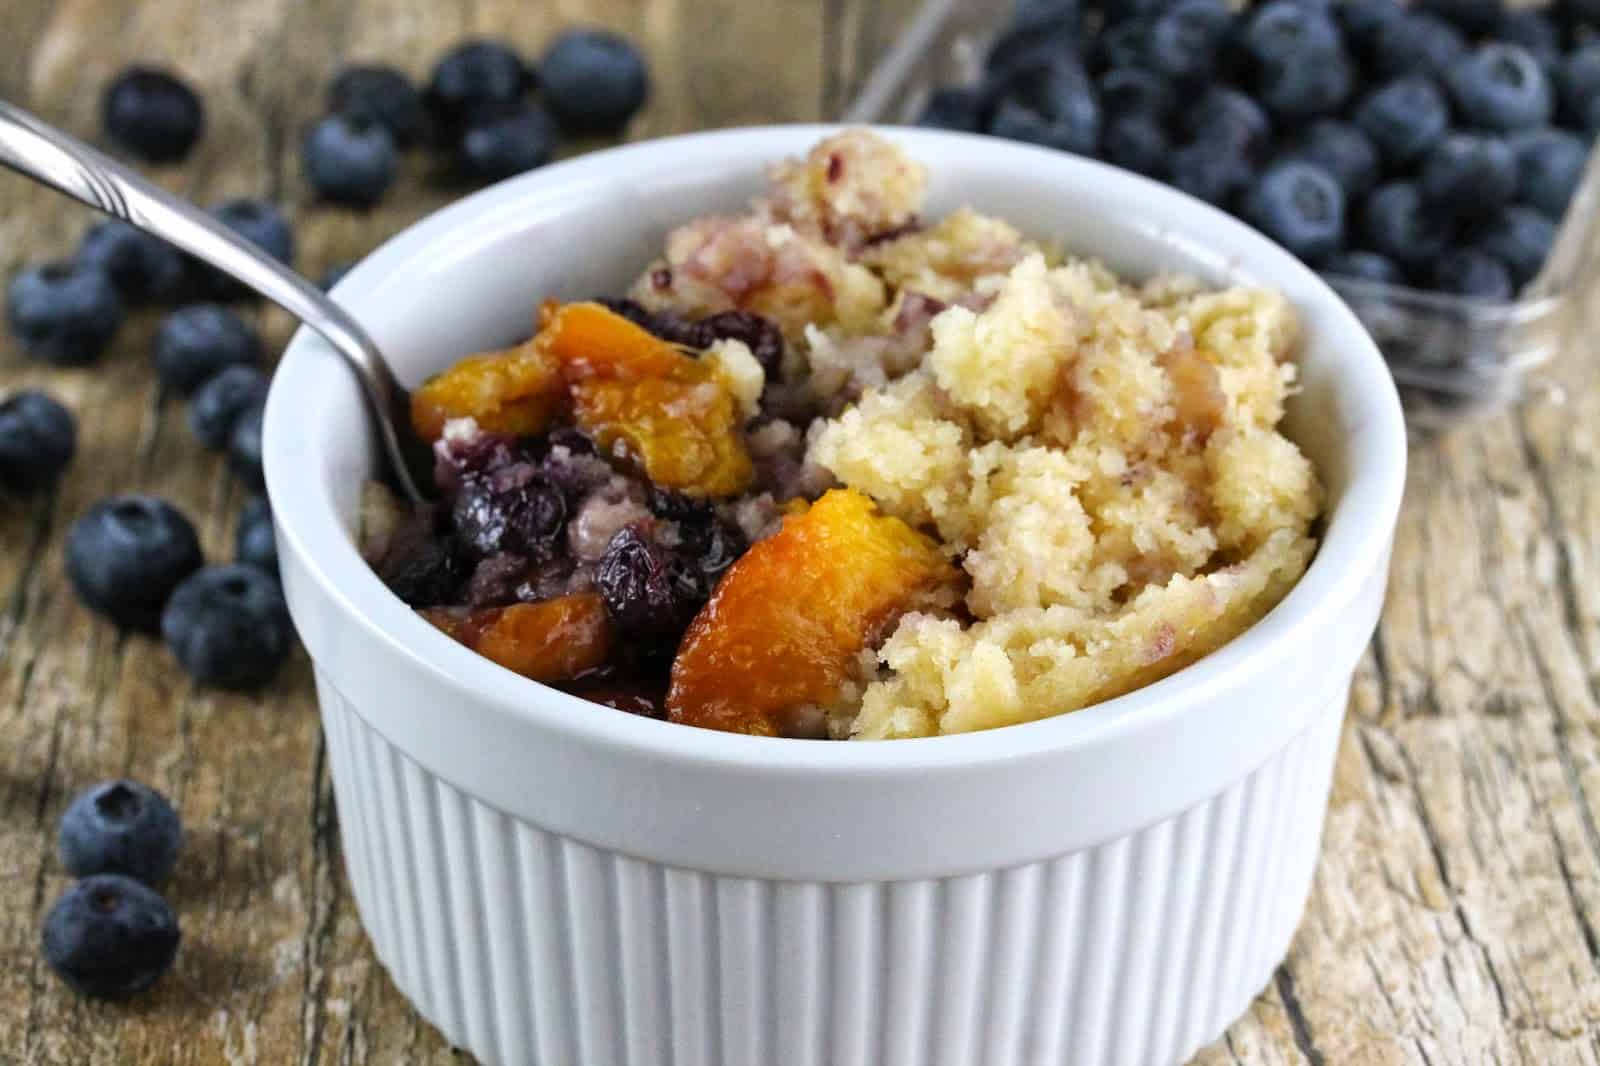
column 53, row 158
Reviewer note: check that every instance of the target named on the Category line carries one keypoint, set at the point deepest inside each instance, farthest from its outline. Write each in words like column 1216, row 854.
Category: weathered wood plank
column 1456, row 917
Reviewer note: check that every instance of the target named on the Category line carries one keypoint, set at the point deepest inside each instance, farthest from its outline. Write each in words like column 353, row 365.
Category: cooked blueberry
column 593, row 81
column 1213, row 172
column 1363, row 266
column 120, row 827
column 508, row 145
column 1501, row 87
column 1472, row 273
column 1550, row 167
column 476, row 81
column 1316, row 81
column 713, row 546
column 420, row 567
column 1185, row 39
column 1395, row 223
column 109, row 937
column 1050, row 105
column 1132, row 91
column 760, row 334
column 38, row 438
column 1416, row 43
column 217, row 404
column 1531, row 28
column 383, row 95
column 1300, row 206
column 228, row 626
column 197, row 342
column 255, row 543
column 1138, row 143
column 1519, row 237
column 152, row 114
column 515, row 509
column 350, row 159
column 244, row 448
column 256, row 221
column 63, row 313
column 1404, row 118
column 1580, row 88
column 1227, row 117
column 1468, row 176
column 126, row 554
column 1341, row 150
column 952, row 108
column 1475, row 17
column 144, row 268
column 648, row 591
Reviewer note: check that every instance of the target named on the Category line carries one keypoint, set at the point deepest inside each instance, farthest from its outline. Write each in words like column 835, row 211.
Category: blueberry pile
column 485, row 109
column 112, row 934
column 1434, row 145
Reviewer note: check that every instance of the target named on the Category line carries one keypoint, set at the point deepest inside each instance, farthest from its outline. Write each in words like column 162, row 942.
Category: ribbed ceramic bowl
column 552, row 882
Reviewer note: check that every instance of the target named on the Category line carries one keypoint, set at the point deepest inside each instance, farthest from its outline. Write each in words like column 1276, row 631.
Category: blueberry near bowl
column 1438, row 100
column 500, row 831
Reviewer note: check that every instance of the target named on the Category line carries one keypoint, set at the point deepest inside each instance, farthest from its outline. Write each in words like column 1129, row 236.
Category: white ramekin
column 555, row 883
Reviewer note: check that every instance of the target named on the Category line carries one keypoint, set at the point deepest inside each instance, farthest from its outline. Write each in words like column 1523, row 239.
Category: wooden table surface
column 1456, row 916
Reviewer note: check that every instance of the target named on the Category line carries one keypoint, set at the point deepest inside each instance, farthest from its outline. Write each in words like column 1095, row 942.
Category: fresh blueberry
column 1227, row 117
column 1579, row 16
column 1301, row 206
column 1211, row 171
column 255, row 543
column 1404, row 118
column 256, row 221
column 244, row 448
column 350, row 159
column 120, row 827
column 1415, row 43
column 110, row 937
column 1131, row 91
column 333, row 275
column 1121, row 45
column 1475, row 17
column 1533, row 29
column 38, row 438
column 1580, row 89
column 1040, row 31
column 508, row 145
column 648, row 591
column 1185, row 39
column 1341, row 150
column 383, row 95
column 1138, row 143
column 1365, row 20
column 952, row 108
column 1396, row 224
column 197, row 342
column 514, row 510
column 228, row 626
column 1501, row 87
column 63, row 313
column 1121, row 12
column 1050, row 105
column 1472, row 273
column 1280, row 31
column 1317, row 81
column 144, row 268
column 1468, row 176
column 1364, row 266
column 593, row 81
column 126, row 554
column 152, row 114
column 1550, row 166
column 476, row 81
column 1521, row 238
column 217, row 405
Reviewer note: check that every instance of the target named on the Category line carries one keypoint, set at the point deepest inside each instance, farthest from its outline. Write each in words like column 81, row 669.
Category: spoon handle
column 53, row 158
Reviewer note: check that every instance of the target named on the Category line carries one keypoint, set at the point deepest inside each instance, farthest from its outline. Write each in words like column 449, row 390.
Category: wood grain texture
column 1456, row 917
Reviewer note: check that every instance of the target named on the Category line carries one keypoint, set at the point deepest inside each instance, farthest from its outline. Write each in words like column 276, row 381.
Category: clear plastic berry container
column 1453, row 358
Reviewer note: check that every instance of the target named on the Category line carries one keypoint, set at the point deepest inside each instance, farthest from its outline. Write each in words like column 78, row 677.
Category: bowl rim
column 1355, row 539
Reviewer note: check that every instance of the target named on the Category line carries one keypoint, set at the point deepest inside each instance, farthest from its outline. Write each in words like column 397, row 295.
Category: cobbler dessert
column 834, row 470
